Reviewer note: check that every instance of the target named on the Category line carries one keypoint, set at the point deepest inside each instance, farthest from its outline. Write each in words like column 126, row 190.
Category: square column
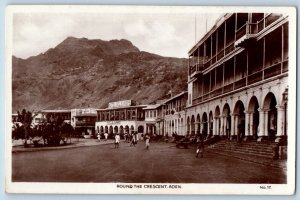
column 280, row 121
column 263, row 124
column 251, row 124
column 214, row 126
column 222, row 125
column 232, row 124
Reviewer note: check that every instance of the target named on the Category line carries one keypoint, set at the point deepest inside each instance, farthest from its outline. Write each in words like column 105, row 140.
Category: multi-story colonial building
column 152, row 119
column 174, row 114
column 238, row 78
column 121, row 117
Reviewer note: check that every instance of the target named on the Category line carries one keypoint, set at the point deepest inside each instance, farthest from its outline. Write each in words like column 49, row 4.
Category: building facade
column 174, row 114
column 238, row 78
column 121, row 117
column 152, row 125
column 83, row 121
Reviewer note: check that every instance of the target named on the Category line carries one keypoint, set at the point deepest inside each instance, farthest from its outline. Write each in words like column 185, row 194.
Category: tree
column 25, row 117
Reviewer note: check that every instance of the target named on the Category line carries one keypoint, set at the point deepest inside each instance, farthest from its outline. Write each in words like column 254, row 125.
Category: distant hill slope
column 79, row 73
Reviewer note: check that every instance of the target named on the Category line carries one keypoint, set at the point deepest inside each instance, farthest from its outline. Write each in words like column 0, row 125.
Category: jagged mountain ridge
column 80, row 73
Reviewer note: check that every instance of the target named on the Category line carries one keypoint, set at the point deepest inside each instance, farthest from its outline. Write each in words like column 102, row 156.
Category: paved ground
column 162, row 163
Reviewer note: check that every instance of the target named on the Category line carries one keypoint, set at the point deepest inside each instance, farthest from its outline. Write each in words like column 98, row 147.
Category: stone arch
column 269, row 107
column 131, row 128
column 110, row 129
column 121, row 129
column 101, row 129
column 198, row 124
column 217, row 120
column 116, row 129
column 226, row 127
column 140, row 129
column 127, row 129
column 188, row 123
column 253, row 117
column 204, row 124
column 239, row 120
column 192, row 125
column 211, row 123
column 106, row 129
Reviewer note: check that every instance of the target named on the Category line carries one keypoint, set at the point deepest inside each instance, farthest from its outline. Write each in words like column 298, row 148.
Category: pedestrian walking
column 133, row 140
column 117, row 141
column 99, row 137
column 106, row 136
column 200, row 146
column 147, row 138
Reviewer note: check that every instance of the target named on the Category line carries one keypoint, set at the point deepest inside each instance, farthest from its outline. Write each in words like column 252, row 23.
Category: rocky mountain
column 80, row 73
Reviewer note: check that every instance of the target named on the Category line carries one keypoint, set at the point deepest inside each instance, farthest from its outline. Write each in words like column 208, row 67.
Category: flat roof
column 55, row 111
column 150, row 107
column 137, row 106
column 177, row 95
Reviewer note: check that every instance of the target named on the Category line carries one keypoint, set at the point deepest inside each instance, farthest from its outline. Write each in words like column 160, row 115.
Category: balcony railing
column 272, row 70
column 196, row 68
column 228, row 88
column 285, row 66
column 253, row 28
column 255, row 77
column 220, row 54
column 268, row 72
column 241, row 31
column 240, row 83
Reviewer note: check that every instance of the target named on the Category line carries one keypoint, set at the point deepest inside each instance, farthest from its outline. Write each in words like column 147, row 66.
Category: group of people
column 133, row 139
column 99, row 137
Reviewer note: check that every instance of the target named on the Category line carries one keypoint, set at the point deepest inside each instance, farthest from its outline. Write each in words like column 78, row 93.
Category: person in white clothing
column 117, row 141
column 147, row 137
column 99, row 137
column 105, row 135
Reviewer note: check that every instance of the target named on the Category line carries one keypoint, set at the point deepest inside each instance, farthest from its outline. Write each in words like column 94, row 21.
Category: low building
column 83, row 121
column 45, row 116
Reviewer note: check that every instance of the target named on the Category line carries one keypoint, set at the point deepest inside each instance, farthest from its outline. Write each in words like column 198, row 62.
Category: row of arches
column 118, row 129
column 253, row 120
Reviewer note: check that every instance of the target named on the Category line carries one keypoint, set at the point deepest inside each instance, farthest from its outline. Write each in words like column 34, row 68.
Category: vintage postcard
column 150, row 100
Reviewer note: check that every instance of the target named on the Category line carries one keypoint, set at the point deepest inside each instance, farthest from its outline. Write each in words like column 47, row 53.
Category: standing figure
column 147, row 138
column 200, row 146
column 106, row 136
column 117, row 141
column 133, row 140
column 99, row 137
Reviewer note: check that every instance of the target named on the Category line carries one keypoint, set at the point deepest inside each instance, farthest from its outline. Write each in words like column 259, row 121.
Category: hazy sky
column 164, row 33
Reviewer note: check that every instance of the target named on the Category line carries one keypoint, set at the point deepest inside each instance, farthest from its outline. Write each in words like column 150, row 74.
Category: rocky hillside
column 79, row 73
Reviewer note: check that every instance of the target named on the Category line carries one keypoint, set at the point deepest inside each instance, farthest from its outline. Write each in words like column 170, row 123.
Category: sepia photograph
column 150, row 100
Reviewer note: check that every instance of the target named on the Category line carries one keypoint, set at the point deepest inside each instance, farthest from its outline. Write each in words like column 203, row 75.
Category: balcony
column 240, row 83
column 245, row 34
column 196, row 69
column 268, row 72
column 255, row 77
column 285, row 66
column 273, row 70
